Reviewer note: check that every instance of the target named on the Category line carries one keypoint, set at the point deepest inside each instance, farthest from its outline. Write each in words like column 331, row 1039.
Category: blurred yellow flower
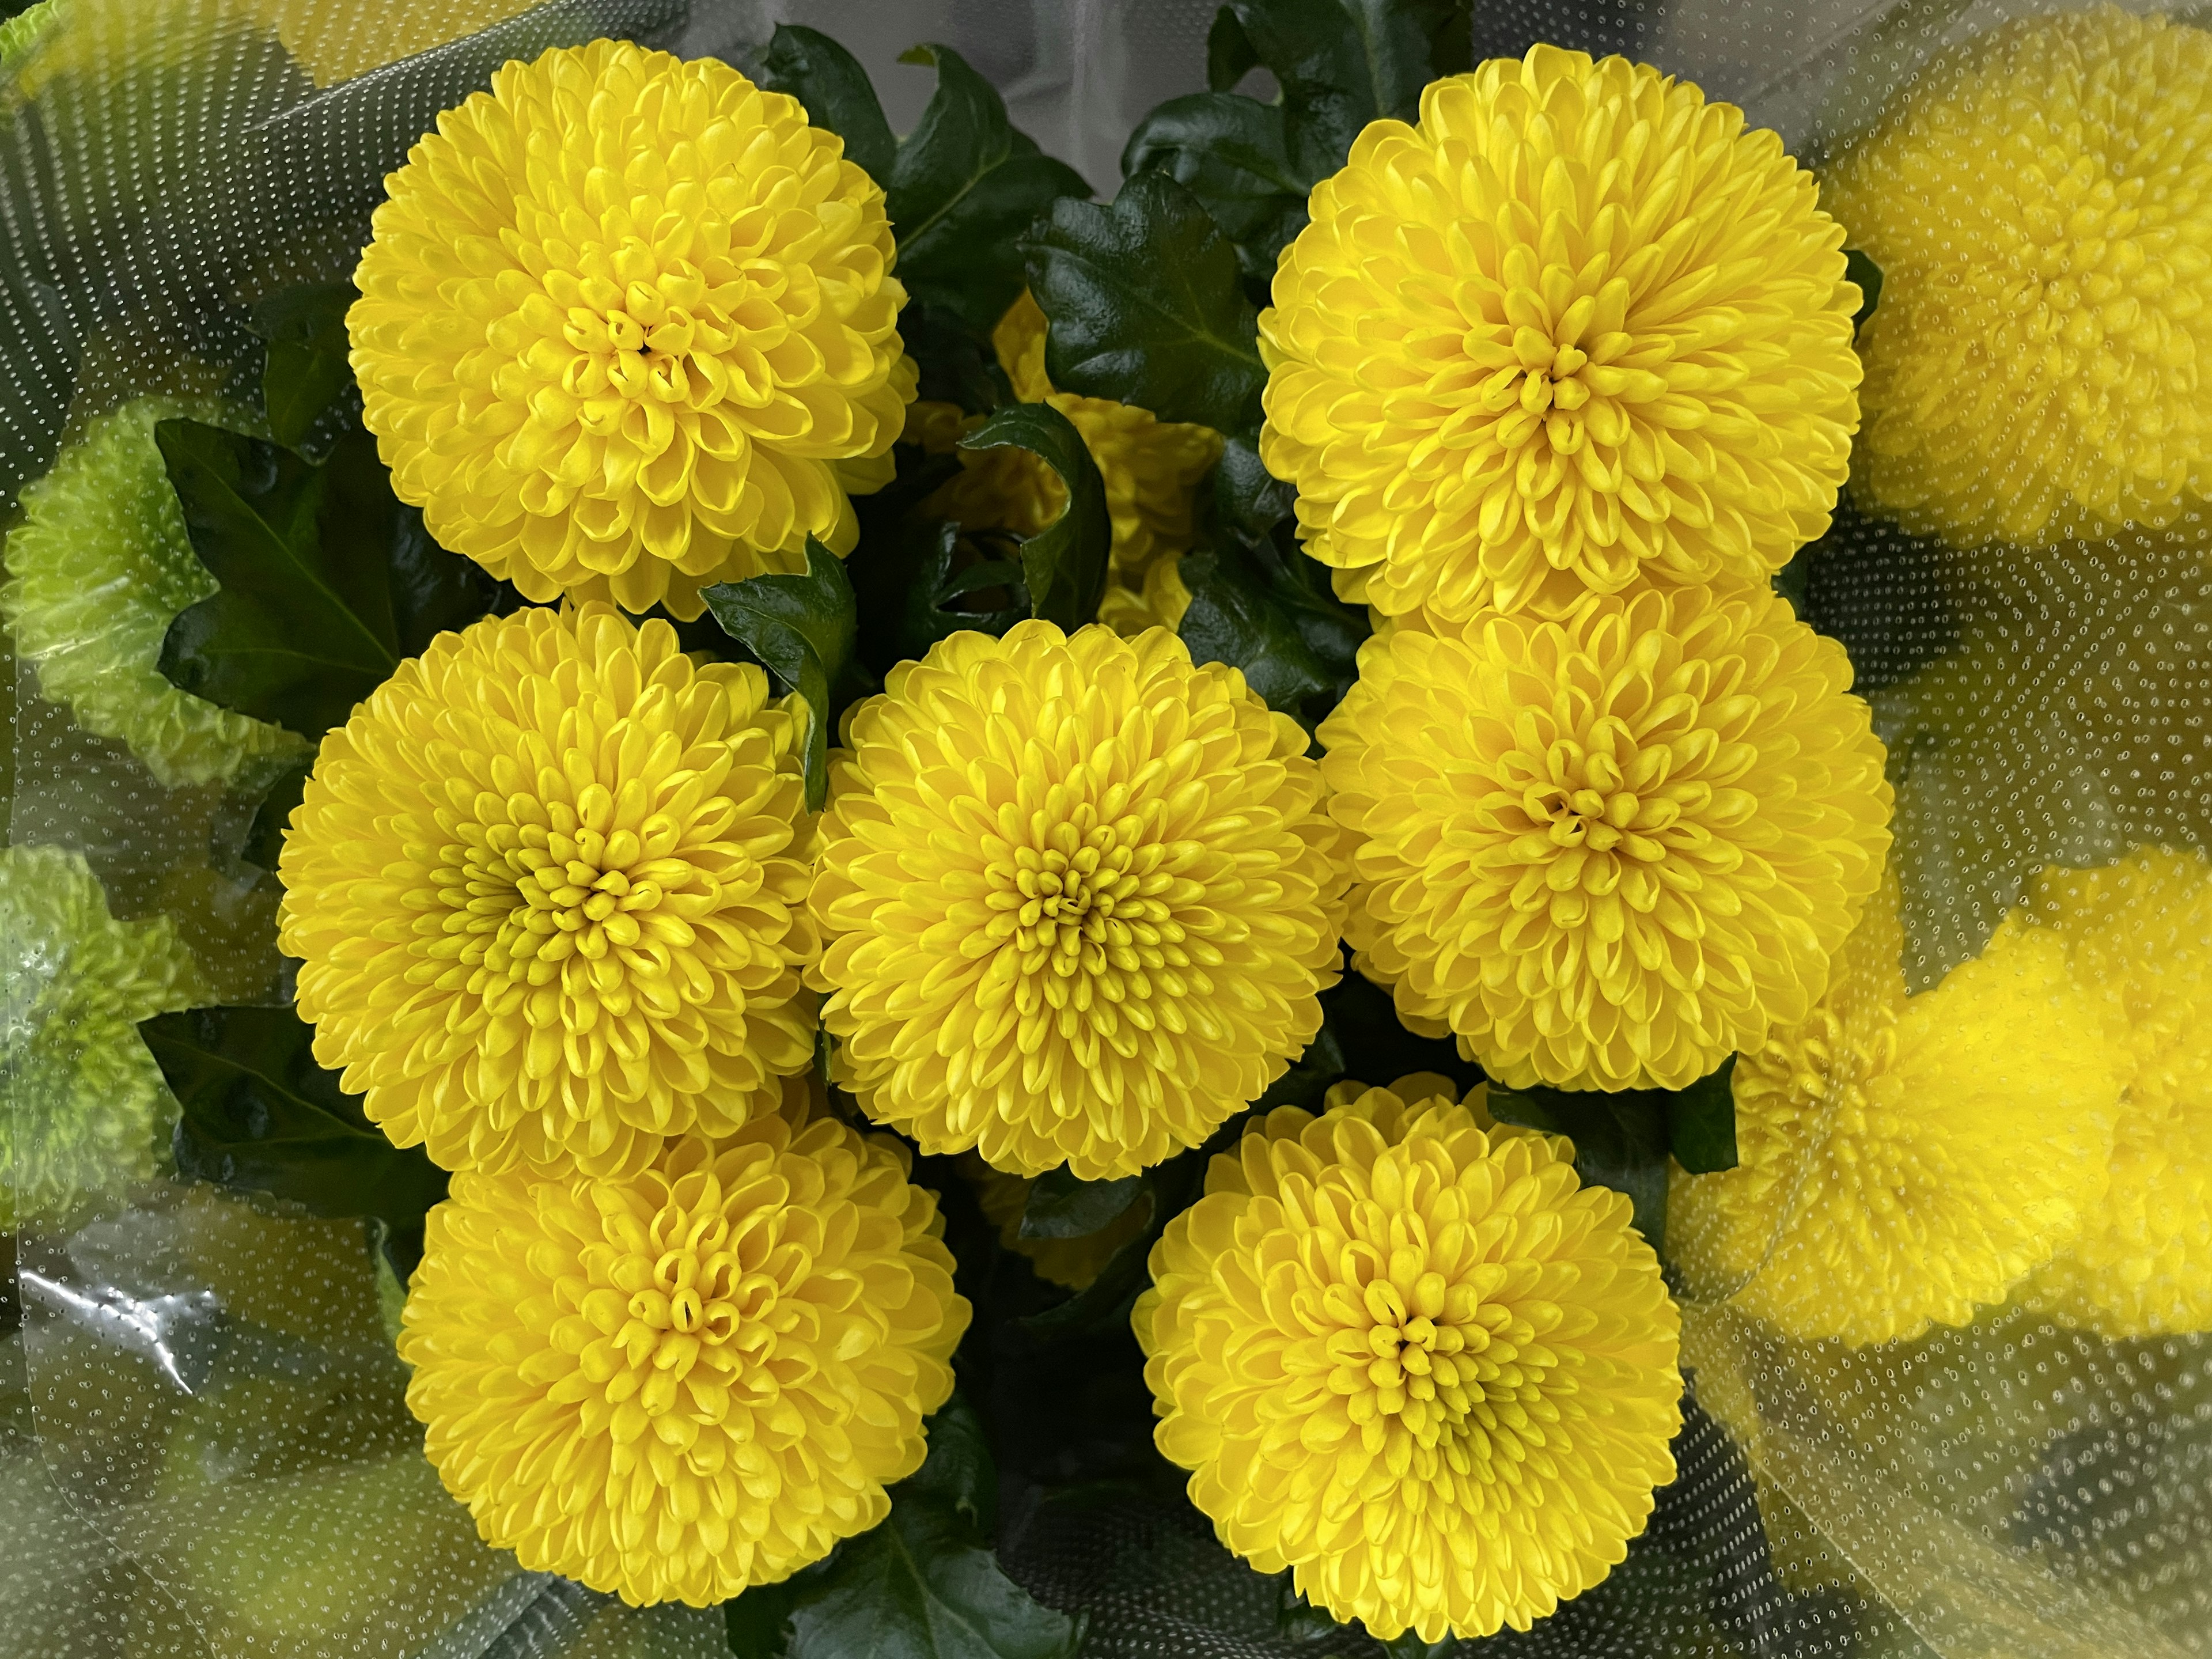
column 2035, row 369
column 1071, row 1263
column 1076, row 897
column 628, row 326
column 1417, row 1365
column 2140, row 936
column 1575, row 328
column 1159, row 602
column 337, row 39
column 1905, row 1160
column 1607, row 852
column 692, row 1380
column 547, row 887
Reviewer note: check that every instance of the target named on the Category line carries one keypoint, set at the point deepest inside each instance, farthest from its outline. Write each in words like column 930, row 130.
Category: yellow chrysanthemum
column 1608, row 852
column 2041, row 204
column 1077, row 897
column 623, row 321
column 1417, row 1365
column 99, row 567
column 2140, row 936
column 547, row 886
column 81, row 1094
column 1071, row 1263
column 1159, row 601
column 1905, row 1159
column 692, row 1379
column 1576, row 327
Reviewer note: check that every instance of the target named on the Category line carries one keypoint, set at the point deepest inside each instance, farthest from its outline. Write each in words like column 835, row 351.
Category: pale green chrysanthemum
column 98, row 569
column 81, row 1093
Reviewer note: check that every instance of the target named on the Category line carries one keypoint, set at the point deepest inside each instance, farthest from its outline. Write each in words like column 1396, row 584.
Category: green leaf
column 803, row 629
column 1175, row 1185
column 910, row 578
column 828, row 81
column 1361, row 1038
column 1230, row 53
column 1146, row 307
column 758, row 1624
column 1272, row 616
column 1061, row 1206
column 260, row 1115
column 1247, row 498
column 1701, row 1121
column 264, row 837
column 327, row 581
column 1232, row 153
column 964, row 186
column 1064, row 564
column 924, row 1584
column 1860, row 268
column 307, row 365
column 1620, row 1141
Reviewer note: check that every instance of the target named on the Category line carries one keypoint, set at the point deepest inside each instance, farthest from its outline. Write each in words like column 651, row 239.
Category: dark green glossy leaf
column 1230, row 54
column 1064, row 564
column 1249, row 499
column 1232, row 153
column 307, row 366
column 1061, row 1206
column 1701, row 1121
column 1343, row 64
column 758, row 1624
column 836, row 90
column 1361, row 1038
column 910, row 578
column 1272, row 616
column 1146, row 307
column 1860, row 268
column 260, row 1115
column 1620, row 1141
column 264, row 837
column 964, row 186
column 327, row 581
column 803, row 628
column 924, row 1584
column 1106, row 1301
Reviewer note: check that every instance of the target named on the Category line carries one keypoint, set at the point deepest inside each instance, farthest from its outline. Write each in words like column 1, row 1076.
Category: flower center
column 649, row 333
column 1080, row 902
column 528, row 898
column 1426, row 1369
column 687, row 1303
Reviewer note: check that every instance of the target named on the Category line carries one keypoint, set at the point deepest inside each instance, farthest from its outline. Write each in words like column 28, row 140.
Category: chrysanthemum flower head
column 1905, row 1160
column 623, row 321
column 692, row 1380
column 1610, row 851
column 2139, row 934
column 1575, row 328
column 1077, row 897
column 1417, row 1365
column 1071, row 1263
column 547, row 887
column 99, row 567
column 82, row 1093
column 2038, row 202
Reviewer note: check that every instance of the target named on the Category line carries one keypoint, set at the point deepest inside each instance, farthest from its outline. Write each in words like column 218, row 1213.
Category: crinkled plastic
column 204, row 1448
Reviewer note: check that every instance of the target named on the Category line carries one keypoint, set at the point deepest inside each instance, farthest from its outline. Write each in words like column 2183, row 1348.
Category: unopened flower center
column 1080, row 901
column 645, row 327
column 526, row 899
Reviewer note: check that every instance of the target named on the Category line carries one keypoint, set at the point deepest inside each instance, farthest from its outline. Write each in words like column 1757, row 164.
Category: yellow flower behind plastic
column 1905, row 1160
column 547, row 887
column 1078, row 898
column 336, row 41
column 2038, row 202
column 1577, row 327
column 692, row 1380
column 2139, row 933
column 1071, row 1263
column 1607, row 852
column 628, row 326
column 1417, row 1365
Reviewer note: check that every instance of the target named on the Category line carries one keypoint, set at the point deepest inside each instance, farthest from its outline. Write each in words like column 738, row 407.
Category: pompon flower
column 2041, row 204
column 1159, row 601
column 1905, row 1160
column 625, row 390
column 1577, row 327
column 2139, row 933
column 1071, row 1263
column 547, row 887
column 692, row 1380
column 82, row 1093
column 1416, row 1364
column 1078, row 898
column 99, row 566
column 1608, row 852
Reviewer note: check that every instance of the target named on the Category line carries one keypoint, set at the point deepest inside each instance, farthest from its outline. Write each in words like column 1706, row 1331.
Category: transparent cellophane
column 203, row 1445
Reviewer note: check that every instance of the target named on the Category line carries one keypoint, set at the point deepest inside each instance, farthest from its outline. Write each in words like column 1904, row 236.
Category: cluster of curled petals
column 695, row 1380
column 1575, row 329
column 2041, row 204
column 1074, row 1263
column 1610, row 851
column 1078, row 898
column 628, row 325
column 1159, row 601
column 1905, row 1160
column 1417, row 1363
column 99, row 566
column 83, row 1094
column 2139, row 933
column 548, row 890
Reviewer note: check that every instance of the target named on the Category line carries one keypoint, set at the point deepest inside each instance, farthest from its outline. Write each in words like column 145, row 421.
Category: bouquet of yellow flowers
column 777, row 888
